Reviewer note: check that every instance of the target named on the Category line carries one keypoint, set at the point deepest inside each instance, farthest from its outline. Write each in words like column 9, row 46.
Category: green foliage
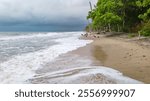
column 106, row 14
column 88, row 28
column 120, row 15
column 146, row 29
column 131, row 35
column 91, row 14
column 145, row 5
column 145, row 16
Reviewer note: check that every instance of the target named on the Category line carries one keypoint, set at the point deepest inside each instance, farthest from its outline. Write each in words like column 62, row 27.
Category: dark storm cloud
column 28, row 14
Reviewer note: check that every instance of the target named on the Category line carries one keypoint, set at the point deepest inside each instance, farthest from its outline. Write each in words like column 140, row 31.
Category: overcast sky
column 43, row 15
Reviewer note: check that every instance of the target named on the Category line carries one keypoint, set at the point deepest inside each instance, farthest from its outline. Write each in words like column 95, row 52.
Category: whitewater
column 36, row 58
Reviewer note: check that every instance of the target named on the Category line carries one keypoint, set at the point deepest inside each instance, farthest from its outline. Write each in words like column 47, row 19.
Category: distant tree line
column 121, row 16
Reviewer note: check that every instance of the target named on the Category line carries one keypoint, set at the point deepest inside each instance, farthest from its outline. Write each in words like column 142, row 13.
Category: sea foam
column 85, row 75
column 22, row 67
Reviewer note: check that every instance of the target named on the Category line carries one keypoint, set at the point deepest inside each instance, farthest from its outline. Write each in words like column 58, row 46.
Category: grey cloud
column 43, row 12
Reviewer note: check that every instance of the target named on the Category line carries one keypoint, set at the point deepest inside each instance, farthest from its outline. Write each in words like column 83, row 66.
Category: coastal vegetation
column 132, row 16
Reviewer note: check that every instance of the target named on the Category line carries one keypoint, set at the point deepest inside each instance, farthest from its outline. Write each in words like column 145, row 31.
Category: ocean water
column 21, row 54
column 40, row 57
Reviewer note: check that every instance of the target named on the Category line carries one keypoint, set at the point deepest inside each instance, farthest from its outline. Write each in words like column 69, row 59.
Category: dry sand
column 128, row 57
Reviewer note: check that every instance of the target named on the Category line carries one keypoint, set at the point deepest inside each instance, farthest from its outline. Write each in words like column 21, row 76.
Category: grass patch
column 131, row 35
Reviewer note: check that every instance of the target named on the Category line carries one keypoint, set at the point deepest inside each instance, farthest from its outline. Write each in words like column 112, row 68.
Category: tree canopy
column 120, row 15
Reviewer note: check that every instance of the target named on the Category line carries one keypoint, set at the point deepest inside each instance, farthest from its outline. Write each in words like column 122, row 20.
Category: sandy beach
column 126, row 56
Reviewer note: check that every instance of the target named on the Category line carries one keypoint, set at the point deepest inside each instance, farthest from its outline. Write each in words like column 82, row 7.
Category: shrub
column 145, row 31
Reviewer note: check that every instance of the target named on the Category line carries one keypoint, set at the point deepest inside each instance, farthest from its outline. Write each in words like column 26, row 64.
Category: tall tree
column 145, row 6
column 145, row 16
column 106, row 14
column 120, row 14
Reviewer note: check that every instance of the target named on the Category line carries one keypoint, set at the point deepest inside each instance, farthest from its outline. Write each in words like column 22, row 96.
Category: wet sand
column 130, row 58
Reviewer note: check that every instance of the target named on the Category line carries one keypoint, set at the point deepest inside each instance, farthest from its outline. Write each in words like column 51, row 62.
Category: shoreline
column 127, row 56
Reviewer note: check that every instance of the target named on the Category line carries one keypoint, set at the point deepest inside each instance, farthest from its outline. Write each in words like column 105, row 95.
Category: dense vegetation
column 121, row 16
